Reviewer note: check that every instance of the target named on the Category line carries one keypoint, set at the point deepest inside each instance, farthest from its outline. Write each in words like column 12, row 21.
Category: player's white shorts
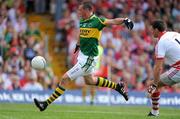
column 171, row 77
column 84, row 66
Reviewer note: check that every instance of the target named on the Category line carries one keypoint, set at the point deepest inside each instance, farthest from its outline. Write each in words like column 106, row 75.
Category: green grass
column 29, row 111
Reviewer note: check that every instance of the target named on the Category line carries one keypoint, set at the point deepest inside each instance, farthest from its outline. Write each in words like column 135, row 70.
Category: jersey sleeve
column 101, row 23
column 160, row 50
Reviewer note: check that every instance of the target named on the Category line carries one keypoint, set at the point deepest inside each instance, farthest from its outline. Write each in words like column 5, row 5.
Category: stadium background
column 49, row 28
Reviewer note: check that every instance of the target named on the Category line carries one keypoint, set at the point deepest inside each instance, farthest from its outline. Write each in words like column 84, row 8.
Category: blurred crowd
column 20, row 41
column 128, row 53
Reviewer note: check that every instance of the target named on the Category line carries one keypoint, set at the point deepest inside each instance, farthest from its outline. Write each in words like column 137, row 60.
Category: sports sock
column 58, row 92
column 103, row 82
column 155, row 103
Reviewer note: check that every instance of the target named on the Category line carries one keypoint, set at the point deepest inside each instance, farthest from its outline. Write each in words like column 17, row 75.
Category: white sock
column 155, row 112
column 155, row 103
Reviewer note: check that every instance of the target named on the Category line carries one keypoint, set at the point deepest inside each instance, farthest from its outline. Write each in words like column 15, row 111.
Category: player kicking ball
column 90, row 32
column 167, row 48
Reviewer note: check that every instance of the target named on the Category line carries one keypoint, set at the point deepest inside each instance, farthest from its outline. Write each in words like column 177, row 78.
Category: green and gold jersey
column 90, row 33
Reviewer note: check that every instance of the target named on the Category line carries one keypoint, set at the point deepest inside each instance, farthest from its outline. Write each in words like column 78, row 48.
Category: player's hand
column 151, row 89
column 76, row 48
column 129, row 24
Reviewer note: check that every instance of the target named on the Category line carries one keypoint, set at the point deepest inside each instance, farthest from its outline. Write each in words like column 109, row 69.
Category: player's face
column 155, row 32
column 82, row 13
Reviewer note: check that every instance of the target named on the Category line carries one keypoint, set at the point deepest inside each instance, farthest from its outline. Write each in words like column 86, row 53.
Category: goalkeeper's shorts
column 84, row 66
column 171, row 77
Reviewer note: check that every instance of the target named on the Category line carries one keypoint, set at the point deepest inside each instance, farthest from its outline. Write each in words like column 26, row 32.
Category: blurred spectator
column 32, row 83
column 177, row 23
column 30, row 6
column 33, row 31
column 15, row 82
column 20, row 24
column 40, row 6
column 52, row 7
column 29, row 51
column 138, row 21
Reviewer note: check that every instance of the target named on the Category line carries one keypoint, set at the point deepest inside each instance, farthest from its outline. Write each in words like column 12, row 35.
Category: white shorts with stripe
column 171, row 77
column 84, row 66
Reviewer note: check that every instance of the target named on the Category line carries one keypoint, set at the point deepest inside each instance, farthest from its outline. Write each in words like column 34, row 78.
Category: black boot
column 152, row 115
column 41, row 105
column 120, row 88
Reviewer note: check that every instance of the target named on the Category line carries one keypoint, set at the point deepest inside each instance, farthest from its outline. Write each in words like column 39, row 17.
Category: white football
column 38, row 63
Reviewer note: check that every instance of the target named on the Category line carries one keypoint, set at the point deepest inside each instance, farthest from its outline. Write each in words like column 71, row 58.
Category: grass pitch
column 29, row 111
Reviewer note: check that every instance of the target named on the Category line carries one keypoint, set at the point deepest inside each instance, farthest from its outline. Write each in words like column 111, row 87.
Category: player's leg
column 72, row 74
column 103, row 82
column 155, row 104
column 42, row 105
column 168, row 78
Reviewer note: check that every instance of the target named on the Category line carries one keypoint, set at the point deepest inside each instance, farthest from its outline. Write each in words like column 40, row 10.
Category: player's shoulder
column 99, row 18
column 92, row 18
column 170, row 34
column 95, row 16
column 167, row 35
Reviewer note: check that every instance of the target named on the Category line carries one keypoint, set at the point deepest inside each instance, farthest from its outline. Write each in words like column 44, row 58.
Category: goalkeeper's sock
column 103, row 82
column 58, row 92
column 155, row 103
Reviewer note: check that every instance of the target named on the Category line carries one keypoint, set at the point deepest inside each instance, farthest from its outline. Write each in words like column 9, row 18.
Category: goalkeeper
column 90, row 33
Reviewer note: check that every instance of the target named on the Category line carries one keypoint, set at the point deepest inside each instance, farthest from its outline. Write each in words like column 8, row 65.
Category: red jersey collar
column 161, row 34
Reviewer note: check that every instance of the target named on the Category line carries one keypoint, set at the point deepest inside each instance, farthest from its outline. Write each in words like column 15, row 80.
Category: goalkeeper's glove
column 151, row 89
column 76, row 48
column 129, row 24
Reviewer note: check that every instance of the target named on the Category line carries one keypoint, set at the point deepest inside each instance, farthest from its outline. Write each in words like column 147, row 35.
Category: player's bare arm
column 157, row 71
column 118, row 21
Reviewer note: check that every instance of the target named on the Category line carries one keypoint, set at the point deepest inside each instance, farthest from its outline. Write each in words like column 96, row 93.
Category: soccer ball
column 38, row 63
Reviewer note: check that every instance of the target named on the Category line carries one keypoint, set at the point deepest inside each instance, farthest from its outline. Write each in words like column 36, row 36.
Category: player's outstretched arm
column 118, row 21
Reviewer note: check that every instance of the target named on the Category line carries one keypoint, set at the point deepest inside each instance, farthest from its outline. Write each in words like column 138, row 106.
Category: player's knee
column 89, row 81
column 64, row 81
